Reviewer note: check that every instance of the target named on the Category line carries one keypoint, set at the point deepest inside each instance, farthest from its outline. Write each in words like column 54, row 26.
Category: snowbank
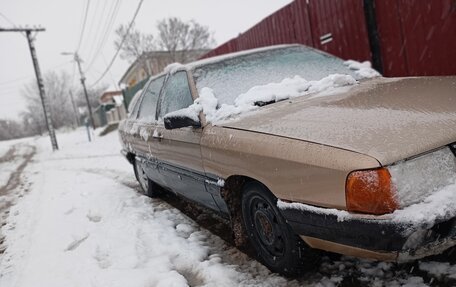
column 439, row 269
column 82, row 224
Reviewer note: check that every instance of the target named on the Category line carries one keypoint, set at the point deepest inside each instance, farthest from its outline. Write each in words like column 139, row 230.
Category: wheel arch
column 232, row 195
column 130, row 157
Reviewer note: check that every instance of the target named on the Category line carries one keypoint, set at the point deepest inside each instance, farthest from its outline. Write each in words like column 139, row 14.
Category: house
column 111, row 109
column 149, row 64
column 153, row 62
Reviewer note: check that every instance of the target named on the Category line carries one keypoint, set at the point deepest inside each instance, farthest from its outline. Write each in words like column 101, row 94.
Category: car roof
column 221, row 58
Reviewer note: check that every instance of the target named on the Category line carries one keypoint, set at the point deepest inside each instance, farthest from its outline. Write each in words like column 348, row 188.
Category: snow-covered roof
column 111, row 88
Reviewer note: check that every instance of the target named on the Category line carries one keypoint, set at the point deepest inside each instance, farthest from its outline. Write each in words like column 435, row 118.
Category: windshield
column 232, row 77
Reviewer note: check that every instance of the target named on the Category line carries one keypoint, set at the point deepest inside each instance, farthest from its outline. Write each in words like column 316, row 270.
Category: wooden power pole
column 39, row 79
column 78, row 60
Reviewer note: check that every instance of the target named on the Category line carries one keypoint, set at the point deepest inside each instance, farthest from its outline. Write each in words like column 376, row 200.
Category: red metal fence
column 306, row 22
column 415, row 37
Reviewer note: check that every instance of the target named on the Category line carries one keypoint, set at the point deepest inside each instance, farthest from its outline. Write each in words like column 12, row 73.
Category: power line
column 120, row 46
column 108, row 30
column 9, row 82
column 7, row 19
column 83, row 24
column 11, row 22
column 103, row 40
column 110, row 74
column 98, row 25
column 13, row 81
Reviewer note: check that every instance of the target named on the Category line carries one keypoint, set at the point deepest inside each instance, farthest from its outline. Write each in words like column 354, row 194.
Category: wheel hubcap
column 143, row 180
column 267, row 227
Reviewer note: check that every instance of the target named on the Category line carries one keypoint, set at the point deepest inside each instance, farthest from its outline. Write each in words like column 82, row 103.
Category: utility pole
column 78, row 60
column 39, row 79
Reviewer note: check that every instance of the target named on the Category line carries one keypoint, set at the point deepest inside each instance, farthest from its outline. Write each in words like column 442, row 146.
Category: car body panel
column 182, row 165
column 293, row 170
column 388, row 119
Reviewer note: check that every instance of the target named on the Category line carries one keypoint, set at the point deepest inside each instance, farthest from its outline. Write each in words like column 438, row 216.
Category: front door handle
column 157, row 135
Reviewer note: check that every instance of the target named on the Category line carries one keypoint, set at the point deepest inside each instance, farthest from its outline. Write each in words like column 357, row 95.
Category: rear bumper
column 371, row 236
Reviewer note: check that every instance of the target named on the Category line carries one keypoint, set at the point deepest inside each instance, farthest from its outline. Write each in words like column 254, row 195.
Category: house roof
column 160, row 54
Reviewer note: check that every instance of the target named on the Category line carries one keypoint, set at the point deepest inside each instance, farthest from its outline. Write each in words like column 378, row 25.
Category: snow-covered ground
column 78, row 220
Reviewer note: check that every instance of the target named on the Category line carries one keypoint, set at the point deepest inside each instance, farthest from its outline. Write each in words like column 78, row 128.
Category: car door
column 146, row 146
column 179, row 151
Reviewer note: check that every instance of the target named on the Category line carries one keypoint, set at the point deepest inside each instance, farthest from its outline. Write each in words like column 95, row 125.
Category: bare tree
column 57, row 88
column 134, row 44
column 10, row 129
column 176, row 35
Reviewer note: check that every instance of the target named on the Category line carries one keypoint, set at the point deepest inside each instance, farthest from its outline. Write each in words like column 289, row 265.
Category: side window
column 176, row 94
column 150, row 99
column 133, row 107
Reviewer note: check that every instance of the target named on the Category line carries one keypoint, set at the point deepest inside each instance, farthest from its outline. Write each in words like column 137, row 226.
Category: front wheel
column 275, row 243
column 148, row 187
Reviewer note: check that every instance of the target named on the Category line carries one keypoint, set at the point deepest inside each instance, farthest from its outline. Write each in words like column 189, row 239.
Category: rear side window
column 176, row 94
column 150, row 99
column 133, row 107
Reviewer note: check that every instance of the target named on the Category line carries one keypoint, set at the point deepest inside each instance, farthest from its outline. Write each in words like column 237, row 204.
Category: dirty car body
column 344, row 169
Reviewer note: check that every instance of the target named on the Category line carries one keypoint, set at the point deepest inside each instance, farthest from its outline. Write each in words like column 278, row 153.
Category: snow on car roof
column 174, row 67
column 224, row 57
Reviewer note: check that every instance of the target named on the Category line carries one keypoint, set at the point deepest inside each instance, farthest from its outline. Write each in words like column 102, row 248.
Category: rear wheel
column 148, row 187
column 275, row 243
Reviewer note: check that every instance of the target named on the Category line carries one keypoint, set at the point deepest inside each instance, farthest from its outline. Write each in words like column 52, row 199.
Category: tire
column 275, row 243
column 148, row 187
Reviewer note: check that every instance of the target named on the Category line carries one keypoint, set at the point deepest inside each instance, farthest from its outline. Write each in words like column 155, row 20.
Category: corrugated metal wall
column 306, row 22
column 345, row 22
column 416, row 37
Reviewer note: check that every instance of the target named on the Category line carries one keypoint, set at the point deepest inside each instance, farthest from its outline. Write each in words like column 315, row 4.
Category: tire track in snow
column 347, row 271
column 14, row 179
column 27, row 152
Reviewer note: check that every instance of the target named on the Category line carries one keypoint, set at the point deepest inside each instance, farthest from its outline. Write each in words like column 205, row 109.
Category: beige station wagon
column 303, row 151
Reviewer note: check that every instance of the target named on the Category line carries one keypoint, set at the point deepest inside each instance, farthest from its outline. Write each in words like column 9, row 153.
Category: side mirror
column 180, row 121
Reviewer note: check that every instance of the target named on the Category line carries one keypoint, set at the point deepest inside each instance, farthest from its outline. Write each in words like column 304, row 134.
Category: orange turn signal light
column 371, row 191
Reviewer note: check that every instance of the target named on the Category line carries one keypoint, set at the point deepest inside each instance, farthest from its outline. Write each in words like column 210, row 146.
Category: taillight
column 371, row 191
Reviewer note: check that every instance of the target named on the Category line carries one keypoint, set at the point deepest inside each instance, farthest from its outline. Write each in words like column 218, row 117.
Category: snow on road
column 83, row 223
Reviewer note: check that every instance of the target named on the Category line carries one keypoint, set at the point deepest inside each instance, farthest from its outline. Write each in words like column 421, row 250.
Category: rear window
column 230, row 78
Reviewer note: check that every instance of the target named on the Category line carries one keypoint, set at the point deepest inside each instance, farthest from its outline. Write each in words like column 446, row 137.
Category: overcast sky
column 63, row 21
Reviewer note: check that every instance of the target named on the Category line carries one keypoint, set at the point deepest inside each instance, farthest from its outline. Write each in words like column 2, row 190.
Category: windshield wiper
column 263, row 103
